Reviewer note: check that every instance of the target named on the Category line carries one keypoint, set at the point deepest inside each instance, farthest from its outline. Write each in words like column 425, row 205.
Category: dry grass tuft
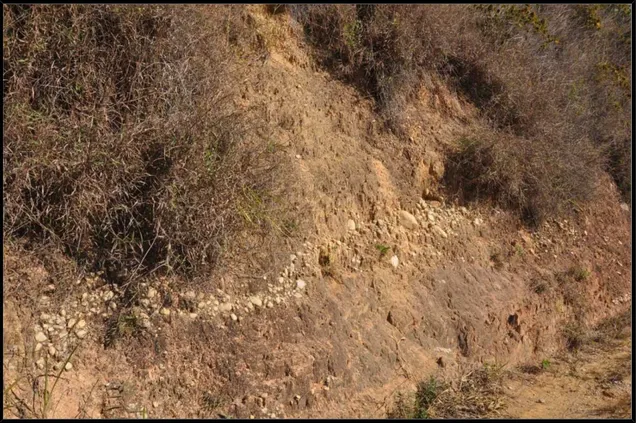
column 476, row 395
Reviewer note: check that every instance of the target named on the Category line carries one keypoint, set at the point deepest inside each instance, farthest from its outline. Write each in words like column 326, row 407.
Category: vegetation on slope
column 552, row 83
column 121, row 144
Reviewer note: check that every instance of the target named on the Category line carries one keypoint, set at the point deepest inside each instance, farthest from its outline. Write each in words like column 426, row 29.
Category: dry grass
column 32, row 393
column 614, row 328
column 603, row 336
column 553, row 90
column 476, row 395
column 572, row 287
column 620, row 409
column 121, row 146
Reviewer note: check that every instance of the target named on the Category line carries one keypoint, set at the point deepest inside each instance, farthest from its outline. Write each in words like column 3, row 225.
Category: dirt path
column 594, row 384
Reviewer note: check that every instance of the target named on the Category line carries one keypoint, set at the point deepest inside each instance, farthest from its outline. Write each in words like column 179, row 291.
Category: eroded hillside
column 354, row 274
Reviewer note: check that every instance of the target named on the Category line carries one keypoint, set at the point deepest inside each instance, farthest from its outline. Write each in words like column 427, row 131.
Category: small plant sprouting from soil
column 520, row 251
column 497, row 260
column 579, row 273
column 210, row 402
column 38, row 404
column 326, row 262
column 383, row 249
column 539, row 286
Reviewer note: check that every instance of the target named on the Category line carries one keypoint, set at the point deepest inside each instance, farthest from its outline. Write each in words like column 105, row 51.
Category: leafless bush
column 121, row 145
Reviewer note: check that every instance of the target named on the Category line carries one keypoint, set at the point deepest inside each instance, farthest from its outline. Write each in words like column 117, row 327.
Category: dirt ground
column 596, row 383
column 362, row 302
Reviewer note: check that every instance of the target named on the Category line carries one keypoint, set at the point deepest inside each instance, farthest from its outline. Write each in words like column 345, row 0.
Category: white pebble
column 226, row 307
column 152, row 292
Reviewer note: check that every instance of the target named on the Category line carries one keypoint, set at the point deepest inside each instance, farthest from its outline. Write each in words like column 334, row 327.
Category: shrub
column 120, row 145
column 418, row 405
column 537, row 178
column 553, row 90
column 477, row 396
column 381, row 49
column 579, row 273
column 575, row 335
column 539, row 286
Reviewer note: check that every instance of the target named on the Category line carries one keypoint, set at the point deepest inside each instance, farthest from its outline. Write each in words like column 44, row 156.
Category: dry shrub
column 575, row 335
column 476, row 395
column 537, row 178
column 552, row 86
column 121, row 144
column 571, row 285
column 613, row 328
column 605, row 335
column 417, row 406
column 382, row 49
